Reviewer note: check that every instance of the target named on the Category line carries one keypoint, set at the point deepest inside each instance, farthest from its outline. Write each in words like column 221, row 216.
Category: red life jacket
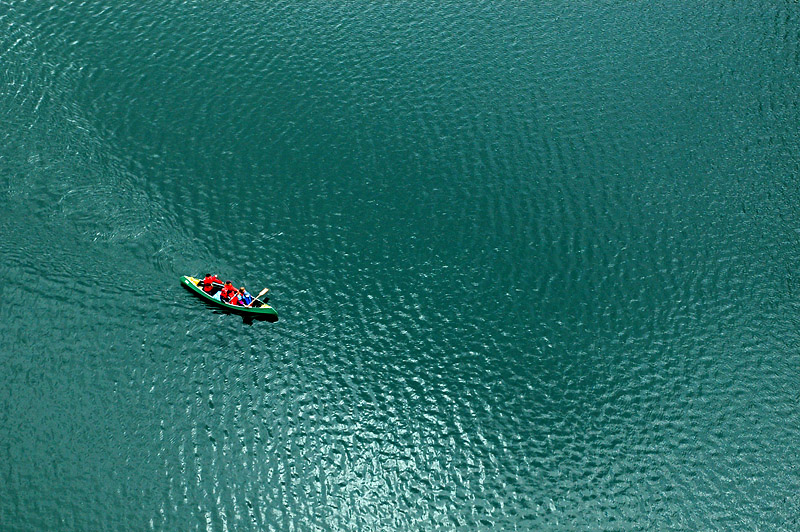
column 209, row 281
column 227, row 293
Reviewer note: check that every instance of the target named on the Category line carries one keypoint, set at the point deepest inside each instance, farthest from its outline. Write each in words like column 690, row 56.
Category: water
column 534, row 265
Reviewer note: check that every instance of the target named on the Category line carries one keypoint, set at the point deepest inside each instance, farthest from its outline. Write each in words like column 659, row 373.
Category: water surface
column 534, row 265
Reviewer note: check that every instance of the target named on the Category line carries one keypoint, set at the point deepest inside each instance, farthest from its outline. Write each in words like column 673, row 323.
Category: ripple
column 533, row 265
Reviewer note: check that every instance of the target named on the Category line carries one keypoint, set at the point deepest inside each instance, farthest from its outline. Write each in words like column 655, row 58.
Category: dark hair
column 208, row 275
column 228, row 282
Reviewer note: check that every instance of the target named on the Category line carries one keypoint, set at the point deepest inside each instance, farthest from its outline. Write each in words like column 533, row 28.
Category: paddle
column 264, row 291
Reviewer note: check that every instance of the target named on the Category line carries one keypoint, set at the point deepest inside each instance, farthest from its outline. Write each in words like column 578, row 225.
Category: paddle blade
column 264, row 291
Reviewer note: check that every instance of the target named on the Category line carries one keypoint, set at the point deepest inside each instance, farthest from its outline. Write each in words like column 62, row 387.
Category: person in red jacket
column 208, row 283
column 228, row 291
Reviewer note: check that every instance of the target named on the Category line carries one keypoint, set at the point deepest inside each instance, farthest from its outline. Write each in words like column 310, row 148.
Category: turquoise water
column 534, row 265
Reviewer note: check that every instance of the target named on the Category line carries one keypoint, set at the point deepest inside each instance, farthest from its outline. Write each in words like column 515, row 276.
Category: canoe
column 263, row 312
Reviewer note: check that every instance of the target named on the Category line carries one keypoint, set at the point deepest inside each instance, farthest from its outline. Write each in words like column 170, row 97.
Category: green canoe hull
column 265, row 312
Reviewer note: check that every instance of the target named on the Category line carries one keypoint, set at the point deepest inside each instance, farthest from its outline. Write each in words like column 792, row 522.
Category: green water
column 535, row 265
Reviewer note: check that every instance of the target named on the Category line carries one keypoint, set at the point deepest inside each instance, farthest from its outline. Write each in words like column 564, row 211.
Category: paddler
column 209, row 281
column 228, row 291
column 243, row 298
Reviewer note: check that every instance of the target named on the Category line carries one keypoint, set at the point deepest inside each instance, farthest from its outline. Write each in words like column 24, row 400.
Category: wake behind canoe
column 259, row 310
